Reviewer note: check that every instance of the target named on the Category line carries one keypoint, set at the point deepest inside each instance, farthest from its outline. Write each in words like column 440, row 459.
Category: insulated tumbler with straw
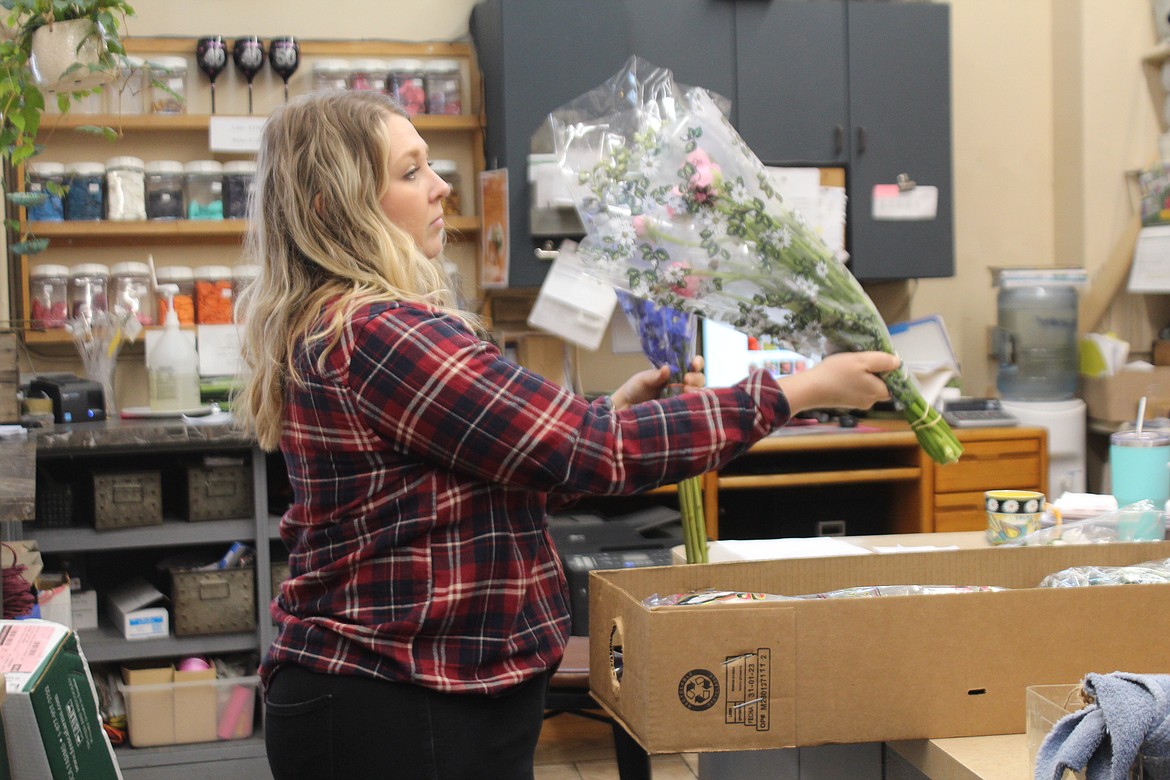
column 1139, row 461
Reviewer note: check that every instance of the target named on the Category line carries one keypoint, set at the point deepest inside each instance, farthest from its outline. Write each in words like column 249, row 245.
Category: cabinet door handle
column 838, row 139
column 861, row 139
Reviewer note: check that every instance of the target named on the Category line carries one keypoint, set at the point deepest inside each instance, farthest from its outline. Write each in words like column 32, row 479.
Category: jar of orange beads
column 213, row 295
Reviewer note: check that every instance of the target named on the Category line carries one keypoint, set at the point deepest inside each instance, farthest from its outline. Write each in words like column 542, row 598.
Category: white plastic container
column 172, row 366
column 330, row 74
column 127, row 94
column 125, row 189
column 204, row 179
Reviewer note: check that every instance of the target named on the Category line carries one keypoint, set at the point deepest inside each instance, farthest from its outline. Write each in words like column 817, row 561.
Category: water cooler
column 1036, row 350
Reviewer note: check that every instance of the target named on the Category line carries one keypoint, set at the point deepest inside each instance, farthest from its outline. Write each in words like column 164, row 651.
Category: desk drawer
column 959, row 512
column 991, row 465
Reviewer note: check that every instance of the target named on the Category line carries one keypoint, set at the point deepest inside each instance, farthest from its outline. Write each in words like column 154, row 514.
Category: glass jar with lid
column 168, row 93
column 164, row 190
column 130, row 291
column 38, row 178
column 367, row 75
column 213, row 295
column 242, row 275
column 127, row 94
column 237, row 187
column 444, row 86
column 84, row 198
column 183, row 278
column 406, row 84
column 204, row 189
column 125, row 189
column 448, row 171
column 87, row 290
column 48, row 292
column 330, row 74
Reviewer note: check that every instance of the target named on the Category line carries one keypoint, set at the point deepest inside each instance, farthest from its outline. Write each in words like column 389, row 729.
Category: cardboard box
column 51, row 720
column 129, row 609
column 772, row 674
column 165, row 706
column 1115, row 398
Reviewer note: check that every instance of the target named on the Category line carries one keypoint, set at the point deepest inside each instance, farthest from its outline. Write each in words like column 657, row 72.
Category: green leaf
column 27, row 199
column 31, row 246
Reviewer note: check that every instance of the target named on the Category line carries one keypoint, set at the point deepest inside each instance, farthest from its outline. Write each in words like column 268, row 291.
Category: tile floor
column 576, row 748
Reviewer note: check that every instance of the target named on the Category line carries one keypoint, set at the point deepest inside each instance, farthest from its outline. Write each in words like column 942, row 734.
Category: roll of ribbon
column 193, row 664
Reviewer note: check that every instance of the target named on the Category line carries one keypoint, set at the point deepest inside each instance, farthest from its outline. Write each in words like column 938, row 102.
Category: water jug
column 1036, row 337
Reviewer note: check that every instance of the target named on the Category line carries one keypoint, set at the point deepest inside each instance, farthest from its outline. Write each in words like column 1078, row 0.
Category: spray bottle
column 173, row 364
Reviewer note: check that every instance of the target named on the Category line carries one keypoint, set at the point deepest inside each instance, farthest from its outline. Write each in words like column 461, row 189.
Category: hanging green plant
column 51, row 50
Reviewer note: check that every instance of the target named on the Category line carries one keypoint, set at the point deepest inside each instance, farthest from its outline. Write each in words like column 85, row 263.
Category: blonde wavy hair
column 318, row 232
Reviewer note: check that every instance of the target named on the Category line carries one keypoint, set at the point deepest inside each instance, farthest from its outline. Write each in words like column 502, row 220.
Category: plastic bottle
column 173, row 364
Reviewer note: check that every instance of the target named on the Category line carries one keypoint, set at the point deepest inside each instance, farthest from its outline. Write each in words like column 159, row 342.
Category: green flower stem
column 694, row 524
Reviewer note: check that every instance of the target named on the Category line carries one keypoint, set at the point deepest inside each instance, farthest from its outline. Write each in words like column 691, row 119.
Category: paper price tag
column 234, row 133
column 890, row 203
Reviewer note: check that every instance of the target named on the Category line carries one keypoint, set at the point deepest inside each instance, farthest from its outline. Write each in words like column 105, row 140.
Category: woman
column 426, row 604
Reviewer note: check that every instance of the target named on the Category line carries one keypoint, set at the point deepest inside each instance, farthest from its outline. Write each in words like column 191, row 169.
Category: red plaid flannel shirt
column 422, row 464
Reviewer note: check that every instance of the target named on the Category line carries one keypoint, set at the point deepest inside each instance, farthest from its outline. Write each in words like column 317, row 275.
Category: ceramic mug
column 1012, row 514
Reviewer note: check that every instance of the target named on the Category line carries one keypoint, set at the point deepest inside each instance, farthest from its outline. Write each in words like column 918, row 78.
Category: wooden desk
column 918, row 495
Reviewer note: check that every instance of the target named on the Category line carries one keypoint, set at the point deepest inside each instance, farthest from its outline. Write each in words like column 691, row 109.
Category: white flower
column 806, row 287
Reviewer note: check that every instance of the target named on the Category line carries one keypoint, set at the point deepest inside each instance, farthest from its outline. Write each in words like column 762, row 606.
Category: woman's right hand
column 845, row 380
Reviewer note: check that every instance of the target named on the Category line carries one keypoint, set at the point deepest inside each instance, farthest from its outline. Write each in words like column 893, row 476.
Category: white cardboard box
column 129, row 608
column 84, row 606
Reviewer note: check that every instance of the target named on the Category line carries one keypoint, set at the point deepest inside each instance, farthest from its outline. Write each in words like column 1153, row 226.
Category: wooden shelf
column 188, row 122
column 185, row 231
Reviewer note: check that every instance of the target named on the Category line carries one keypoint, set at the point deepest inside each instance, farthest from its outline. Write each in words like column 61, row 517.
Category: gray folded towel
column 1129, row 713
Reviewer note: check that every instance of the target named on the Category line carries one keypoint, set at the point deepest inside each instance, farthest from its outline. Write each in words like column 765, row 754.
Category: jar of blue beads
column 39, row 178
column 84, row 199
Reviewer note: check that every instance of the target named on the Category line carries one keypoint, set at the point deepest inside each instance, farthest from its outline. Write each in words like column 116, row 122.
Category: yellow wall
column 1050, row 110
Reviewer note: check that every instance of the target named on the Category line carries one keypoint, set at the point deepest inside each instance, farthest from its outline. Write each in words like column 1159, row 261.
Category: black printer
column 586, row 542
column 74, row 399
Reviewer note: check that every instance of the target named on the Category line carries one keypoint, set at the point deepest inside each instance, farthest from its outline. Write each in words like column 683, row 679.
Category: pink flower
column 640, row 226
column 699, row 158
column 704, row 177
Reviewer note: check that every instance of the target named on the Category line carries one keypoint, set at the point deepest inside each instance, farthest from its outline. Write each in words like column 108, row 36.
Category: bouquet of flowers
column 680, row 211
column 668, row 339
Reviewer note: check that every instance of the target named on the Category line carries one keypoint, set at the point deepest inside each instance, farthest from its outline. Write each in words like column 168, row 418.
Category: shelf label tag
column 235, row 133
column 893, row 203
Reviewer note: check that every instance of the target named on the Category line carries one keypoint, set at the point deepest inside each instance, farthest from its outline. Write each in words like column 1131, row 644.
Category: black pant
column 332, row 727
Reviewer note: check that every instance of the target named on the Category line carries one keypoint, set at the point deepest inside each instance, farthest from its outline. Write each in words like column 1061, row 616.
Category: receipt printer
column 74, row 399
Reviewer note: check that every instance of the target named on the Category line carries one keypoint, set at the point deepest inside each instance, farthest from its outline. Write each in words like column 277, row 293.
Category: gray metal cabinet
column 537, row 55
column 864, row 85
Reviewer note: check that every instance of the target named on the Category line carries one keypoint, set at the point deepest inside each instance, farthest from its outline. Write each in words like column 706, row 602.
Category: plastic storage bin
column 204, row 190
column 84, row 199
column 130, row 291
column 237, row 187
column 164, row 190
column 444, row 86
column 87, row 290
column 184, row 278
column 38, row 176
column 407, row 84
column 125, row 189
column 166, row 706
column 169, row 94
column 330, row 74
column 367, row 75
column 213, row 295
column 48, row 288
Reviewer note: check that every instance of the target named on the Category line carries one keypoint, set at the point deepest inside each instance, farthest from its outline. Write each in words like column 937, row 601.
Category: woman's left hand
column 647, row 385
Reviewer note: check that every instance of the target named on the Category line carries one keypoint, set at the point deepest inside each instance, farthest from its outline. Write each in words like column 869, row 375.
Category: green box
column 51, row 710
